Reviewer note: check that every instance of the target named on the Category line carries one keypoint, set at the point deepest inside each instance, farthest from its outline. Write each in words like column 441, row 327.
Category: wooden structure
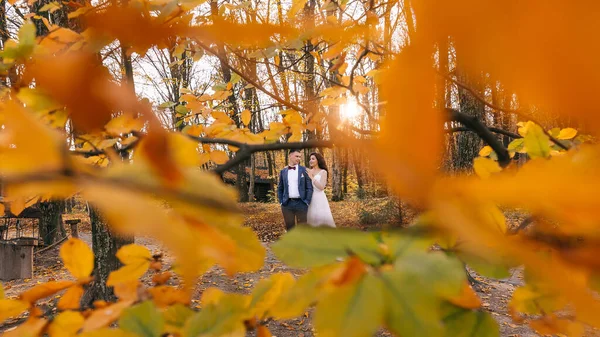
column 262, row 182
column 74, row 230
column 16, row 260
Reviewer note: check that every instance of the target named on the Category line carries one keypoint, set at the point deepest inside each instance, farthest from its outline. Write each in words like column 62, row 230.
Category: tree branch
column 246, row 151
column 493, row 129
column 484, row 133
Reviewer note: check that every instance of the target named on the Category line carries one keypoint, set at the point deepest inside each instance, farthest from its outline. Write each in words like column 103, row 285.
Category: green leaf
column 459, row 322
column 27, row 35
column 516, row 145
column 177, row 315
column 219, row 87
column 181, row 109
column 235, row 78
column 352, row 310
column 224, row 318
column 411, row 308
column 537, row 142
column 166, row 105
column 415, row 289
column 308, row 246
column 142, row 319
column 440, row 273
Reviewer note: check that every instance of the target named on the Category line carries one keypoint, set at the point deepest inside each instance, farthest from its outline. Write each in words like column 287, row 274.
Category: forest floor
column 267, row 222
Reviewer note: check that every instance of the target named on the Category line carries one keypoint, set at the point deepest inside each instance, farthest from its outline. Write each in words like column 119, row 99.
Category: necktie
column 291, row 167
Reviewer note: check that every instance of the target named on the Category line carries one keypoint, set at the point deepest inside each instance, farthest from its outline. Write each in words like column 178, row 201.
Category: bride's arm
column 321, row 181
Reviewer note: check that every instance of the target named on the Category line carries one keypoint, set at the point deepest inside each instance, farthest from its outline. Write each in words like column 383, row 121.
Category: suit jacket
column 304, row 186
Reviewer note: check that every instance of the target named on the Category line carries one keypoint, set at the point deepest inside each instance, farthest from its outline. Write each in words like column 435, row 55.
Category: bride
column 319, row 213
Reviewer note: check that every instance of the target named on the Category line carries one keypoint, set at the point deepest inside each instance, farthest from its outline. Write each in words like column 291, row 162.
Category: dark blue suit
column 294, row 208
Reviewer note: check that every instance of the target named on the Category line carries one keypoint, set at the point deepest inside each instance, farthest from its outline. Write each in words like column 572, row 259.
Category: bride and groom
column 301, row 192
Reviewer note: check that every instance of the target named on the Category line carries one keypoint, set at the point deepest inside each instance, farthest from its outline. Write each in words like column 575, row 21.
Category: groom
column 294, row 191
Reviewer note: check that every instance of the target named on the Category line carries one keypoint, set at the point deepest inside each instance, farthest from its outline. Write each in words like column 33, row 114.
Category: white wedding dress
column 319, row 213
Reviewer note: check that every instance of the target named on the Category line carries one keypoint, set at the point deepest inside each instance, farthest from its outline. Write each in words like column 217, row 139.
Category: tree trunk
column 50, row 227
column 252, row 177
column 105, row 245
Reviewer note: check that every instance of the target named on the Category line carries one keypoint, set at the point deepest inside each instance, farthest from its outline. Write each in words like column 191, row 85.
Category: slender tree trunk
column 252, row 177
column 105, row 246
column 50, row 227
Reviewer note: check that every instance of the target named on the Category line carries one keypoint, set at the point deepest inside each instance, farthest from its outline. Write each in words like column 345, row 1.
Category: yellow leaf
column 66, row 324
column 11, row 308
column 44, row 290
column 136, row 260
column 246, row 116
column 77, row 257
column 71, row 298
column 104, row 332
column 485, row 167
column 537, row 142
column 485, row 151
column 567, row 133
column 219, row 157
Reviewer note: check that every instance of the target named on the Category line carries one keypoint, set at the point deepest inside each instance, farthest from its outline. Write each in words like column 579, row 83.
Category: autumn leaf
column 268, row 291
column 71, row 298
column 224, row 318
column 464, row 323
column 310, row 247
column 355, row 309
column 136, row 260
column 567, row 133
column 33, row 327
column 536, row 142
column 164, row 296
column 219, row 157
column 77, row 257
column 485, row 167
column 246, row 116
column 142, row 319
column 552, row 325
column 263, row 331
column 44, row 290
column 66, row 324
column 11, row 308
column 105, row 316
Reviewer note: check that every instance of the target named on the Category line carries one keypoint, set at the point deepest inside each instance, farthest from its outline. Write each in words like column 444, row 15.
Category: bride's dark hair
column 320, row 161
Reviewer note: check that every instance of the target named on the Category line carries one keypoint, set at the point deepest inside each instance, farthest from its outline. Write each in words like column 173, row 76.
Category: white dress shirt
column 293, row 183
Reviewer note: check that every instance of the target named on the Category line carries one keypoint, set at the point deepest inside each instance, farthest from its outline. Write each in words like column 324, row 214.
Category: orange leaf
column 44, row 290
column 467, row 298
column 219, row 157
column 164, row 296
column 127, row 291
column 352, row 270
column 408, row 89
column 33, row 327
column 263, row 331
column 246, row 117
column 71, row 298
column 103, row 317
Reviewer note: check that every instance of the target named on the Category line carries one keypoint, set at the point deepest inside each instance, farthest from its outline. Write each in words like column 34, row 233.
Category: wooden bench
column 73, row 224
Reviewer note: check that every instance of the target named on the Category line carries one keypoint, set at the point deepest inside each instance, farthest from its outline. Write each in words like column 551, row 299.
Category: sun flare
column 350, row 110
